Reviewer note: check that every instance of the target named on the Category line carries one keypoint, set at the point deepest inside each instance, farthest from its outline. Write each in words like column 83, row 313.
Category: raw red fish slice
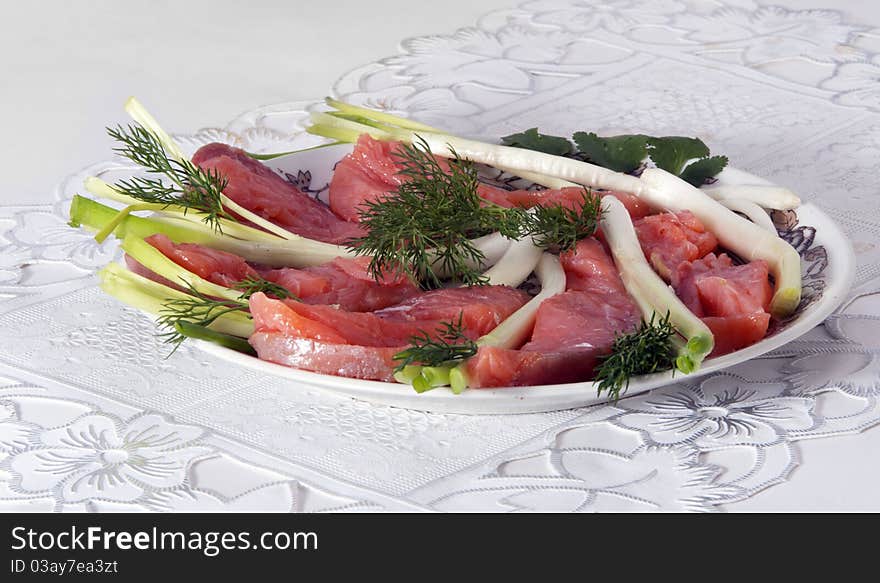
column 135, row 267
column 258, row 189
column 725, row 296
column 344, row 360
column 359, row 268
column 582, row 320
column 572, row 330
column 588, row 267
column 219, row 267
column 669, row 239
column 570, row 197
column 360, row 328
column 344, row 282
column 284, row 336
column 714, row 286
column 502, row 197
column 502, row 367
column 330, row 336
column 733, row 300
column 279, row 316
column 218, row 150
column 735, row 332
column 567, row 197
column 365, row 175
column 305, row 284
column 636, row 207
column 371, row 171
column 481, row 308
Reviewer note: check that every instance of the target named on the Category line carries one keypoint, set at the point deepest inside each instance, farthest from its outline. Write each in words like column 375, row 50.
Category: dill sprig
column 202, row 310
column 191, row 187
column 425, row 227
column 253, row 284
column 448, row 345
column 646, row 350
column 558, row 227
column 197, row 309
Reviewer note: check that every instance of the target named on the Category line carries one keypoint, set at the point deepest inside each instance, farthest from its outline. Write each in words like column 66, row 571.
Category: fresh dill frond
column 511, row 222
column 425, row 227
column 253, row 284
column 560, row 228
column 646, row 350
column 191, row 187
column 197, row 309
column 202, row 310
column 448, row 345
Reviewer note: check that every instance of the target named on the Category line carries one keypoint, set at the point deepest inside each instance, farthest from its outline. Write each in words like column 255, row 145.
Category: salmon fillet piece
column 361, row 345
column 259, row 189
column 572, row 329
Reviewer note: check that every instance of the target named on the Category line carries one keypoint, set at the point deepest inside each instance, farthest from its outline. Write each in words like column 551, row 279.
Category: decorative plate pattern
column 791, row 95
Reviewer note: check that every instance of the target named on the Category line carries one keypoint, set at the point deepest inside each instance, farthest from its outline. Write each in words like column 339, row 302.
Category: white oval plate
column 828, row 265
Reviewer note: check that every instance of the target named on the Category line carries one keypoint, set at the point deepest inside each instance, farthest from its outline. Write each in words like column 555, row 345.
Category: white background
column 66, row 68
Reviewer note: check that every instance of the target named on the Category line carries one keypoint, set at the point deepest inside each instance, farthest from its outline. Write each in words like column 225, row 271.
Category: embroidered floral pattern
column 14, row 435
column 722, row 411
column 97, row 457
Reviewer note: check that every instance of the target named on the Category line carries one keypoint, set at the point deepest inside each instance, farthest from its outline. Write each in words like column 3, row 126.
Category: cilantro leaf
column 625, row 153
column 532, row 140
column 620, row 153
column 697, row 173
column 671, row 152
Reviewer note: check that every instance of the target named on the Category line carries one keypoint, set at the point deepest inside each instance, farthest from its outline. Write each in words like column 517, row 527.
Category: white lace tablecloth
column 94, row 417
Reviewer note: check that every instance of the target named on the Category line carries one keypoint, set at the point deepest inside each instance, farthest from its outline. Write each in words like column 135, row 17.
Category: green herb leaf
column 671, row 152
column 699, row 172
column 425, row 227
column 191, row 187
column 253, row 284
column 198, row 309
column 646, row 350
column 556, row 227
column 512, row 223
column 625, row 153
column 531, row 139
column 180, row 315
column 621, row 153
column 448, row 345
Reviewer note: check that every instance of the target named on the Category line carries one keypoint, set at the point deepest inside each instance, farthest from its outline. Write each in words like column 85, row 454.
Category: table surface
column 67, row 67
